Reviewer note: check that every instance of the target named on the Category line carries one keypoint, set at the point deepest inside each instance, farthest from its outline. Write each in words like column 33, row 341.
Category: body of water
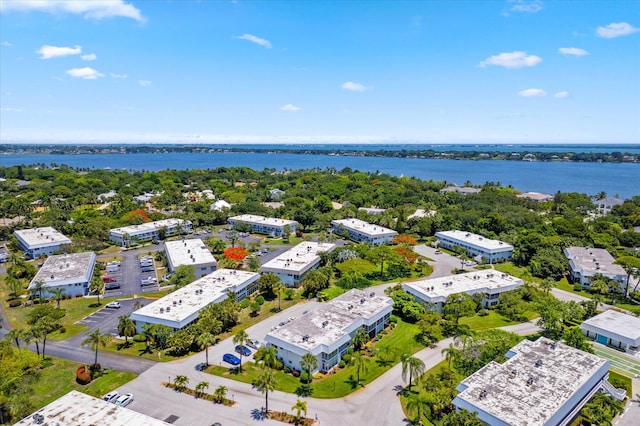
column 622, row 179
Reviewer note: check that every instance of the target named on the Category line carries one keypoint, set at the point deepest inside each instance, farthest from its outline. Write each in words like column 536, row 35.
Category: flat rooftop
column 190, row 299
column 299, row 257
column 64, row 268
column 476, row 240
column 188, row 252
column 441, row 287
column 364, row 227
column 42, row 237
column 616, row 322
column 261, row 220
column 327, row 323
column 79, row 409
column 536, row 196
column 593, row 260
column 534, row 384
column 147, row 227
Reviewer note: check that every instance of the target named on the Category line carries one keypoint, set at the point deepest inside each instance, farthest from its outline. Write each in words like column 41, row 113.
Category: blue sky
column 320, row 71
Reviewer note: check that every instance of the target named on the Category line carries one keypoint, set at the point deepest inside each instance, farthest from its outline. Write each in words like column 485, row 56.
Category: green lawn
column 59, row 378
column 516, row 271
column 341, row 382
column 292, row 241
column 479, row 323
column 624, row 379
column 332, row 292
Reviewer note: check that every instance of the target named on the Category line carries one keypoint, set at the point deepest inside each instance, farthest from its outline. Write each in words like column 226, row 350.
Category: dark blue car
column 242, row 349
column 231, row 359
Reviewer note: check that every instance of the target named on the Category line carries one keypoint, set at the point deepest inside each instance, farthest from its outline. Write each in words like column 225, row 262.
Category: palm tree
column 126, row 327
column 58, row 295
column 33, row 335
column 96, row 287
column 268, row 355
column 200, row 387
column 220, row 394
column 16, row 335
column 180, row 382
column 360, row 339
column 95, row 340
column 300, row 407
column 204, row 340
column 309, row 362
column 546, row 285
column 412, row 365
column 451, row 353
column 265, row 382
column 241, row 338
column 360, row 363
column 385, row 353
column 419, row 404
column 38, row 286
column 278, row 287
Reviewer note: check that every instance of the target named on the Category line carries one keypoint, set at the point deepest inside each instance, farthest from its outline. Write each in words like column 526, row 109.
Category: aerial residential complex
column 615, row 329
column 585, row 262
column 490, row 283
column 292, row 265
column 37, row 242
column 364, row 232
column 181, row 308
column 476, row 245
column 190, row 252
column 70, row 272
column 327, row 331
column 78, row 408
column 542, row 383
column 147, row 231
column 264, row 225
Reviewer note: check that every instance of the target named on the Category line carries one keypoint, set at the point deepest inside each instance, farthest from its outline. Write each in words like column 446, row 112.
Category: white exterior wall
column 490, row 255
column 148, row 232
column 265, row 228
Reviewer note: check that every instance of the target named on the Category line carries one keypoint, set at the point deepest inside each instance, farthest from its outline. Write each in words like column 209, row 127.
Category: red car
column 108, row 279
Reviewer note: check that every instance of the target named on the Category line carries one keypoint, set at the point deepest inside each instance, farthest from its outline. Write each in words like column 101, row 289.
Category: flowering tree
column 404, row 240
column 235, row 253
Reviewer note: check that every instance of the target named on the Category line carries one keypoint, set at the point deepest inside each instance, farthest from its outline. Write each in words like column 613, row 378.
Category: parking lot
column 106, row 319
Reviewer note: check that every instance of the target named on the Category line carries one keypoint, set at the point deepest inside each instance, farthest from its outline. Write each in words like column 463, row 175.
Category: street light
column 233, row 397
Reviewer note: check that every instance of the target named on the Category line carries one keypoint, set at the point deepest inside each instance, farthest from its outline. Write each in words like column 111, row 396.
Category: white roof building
column 420, row 213
column 542, row 383
column 292, row 265
column 71, row 272
column 149, row 230
column 327, row 331
column 372, row 210
column 190, row 252
column 79, row 409
column 220, row 205
column 475, row 245
column 362, row 231
column 605, row 205
column 182, row 307
column 536, row 196
column 614, row 329
column 585, row 262
column 264, row 225
column 462, row 190
column 41, row 241
column 436, row 290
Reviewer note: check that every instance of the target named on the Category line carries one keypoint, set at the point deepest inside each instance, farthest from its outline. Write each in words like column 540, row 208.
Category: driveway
column 443, row 263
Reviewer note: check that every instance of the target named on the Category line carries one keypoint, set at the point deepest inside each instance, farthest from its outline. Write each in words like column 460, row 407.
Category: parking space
column 106, row 319
column 112, row 279
column 148, row 277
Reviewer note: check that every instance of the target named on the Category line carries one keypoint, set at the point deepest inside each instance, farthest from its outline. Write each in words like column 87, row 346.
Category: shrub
column 393, row 319
column 15, row 303
column 346, row 357
column 289, row 293
column 62, row 329
column 139, row 338
column 260, row 300
column 286, row 370
column 95, row 370
column 342, row 364
column 577, row 287
column 244, row 304
column 483, row 313
column 304, row 377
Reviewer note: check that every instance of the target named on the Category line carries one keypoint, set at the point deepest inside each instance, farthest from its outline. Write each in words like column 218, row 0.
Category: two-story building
column 70, row 272
column 585, row 262
column 37, row 242
column 475, row 245
column 148, row 231
column 190, row 252
column 264, row 225
column 292, row 265
column 364, row 232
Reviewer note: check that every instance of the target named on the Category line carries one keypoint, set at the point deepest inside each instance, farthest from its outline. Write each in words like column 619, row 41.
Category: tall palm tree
column 309, row 362
column 16, row 335
column 385, row 354
column 360, row 339
column 38, row 286
column 299, row 407
column 451, row 353
column 126, row 327
column 268, row 355
column 95, row 340
column 241, row 338
column 419, row 404
column 58, row 295
column 413, row 366
column 278, row 288
column 95, row 286
column 265, row 382
column 360, row 363
column 204, row 340
column 220, row 394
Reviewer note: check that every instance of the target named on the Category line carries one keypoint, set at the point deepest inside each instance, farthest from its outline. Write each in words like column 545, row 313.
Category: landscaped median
column 380, row 356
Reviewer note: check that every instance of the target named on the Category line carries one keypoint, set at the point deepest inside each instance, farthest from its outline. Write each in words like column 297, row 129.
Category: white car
column 111, row 396
column 113, row 305
column 124, row 400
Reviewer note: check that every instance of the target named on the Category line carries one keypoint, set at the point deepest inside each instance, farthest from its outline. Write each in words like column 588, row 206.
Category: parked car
column 113, row 305
column 112, row 286
column 231, row 359
column 254, row 344
column 124, row 400
column 242, row 349
column 148, row 281
column 147, row 269
column 107, row 279
column 111, row 396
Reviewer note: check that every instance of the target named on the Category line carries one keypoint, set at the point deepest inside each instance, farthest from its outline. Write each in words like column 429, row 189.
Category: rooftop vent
column 530, row 381
column 539, row 363
column 161, row 310
column 325, row 323
column 554, row 345
column 362, row 300
column 483, row 394
column 372, row 294
column 168, row 308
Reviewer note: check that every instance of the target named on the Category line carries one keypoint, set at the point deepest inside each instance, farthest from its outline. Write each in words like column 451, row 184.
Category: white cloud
column 616, row 29
column 515, row 59
column 11, row 109
column 118, row 75
column 354, row 87
column 6, row 43
column 525, row 6
column 93, row 9
column 85, row 73
column 561, row 95
column 256, row 40
column 89, row 57
column 291, row 108
column 573, row 51
column 144, row 83
column 48, row 52
column 531, row 93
